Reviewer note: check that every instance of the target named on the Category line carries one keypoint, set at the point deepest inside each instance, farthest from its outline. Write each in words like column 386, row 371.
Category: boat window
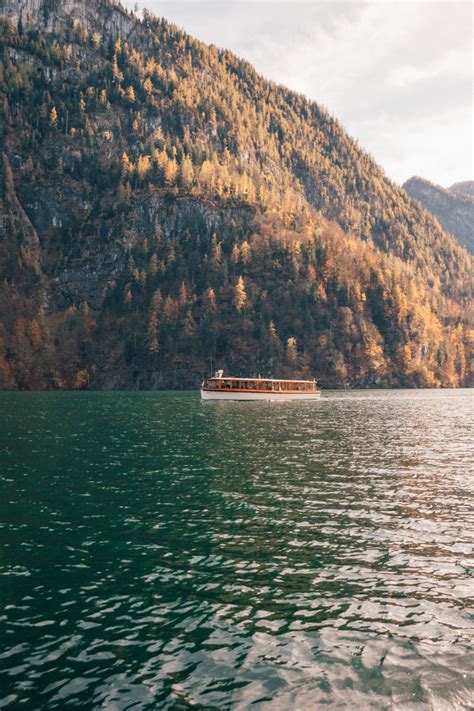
column 261, row 385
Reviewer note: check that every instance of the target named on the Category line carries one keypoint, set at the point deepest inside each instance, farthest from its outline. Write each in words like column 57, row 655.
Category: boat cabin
column 263, row 385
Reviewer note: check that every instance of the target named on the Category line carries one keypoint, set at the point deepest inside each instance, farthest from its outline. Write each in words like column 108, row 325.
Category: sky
column 397, row 74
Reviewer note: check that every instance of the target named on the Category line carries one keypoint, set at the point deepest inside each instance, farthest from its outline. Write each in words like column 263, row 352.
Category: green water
column 162, row 553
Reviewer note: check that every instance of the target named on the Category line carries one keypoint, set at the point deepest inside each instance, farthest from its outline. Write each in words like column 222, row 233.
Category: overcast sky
column 398, row 75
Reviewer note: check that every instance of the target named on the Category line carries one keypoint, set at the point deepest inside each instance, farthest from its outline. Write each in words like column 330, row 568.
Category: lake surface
column 161, row 553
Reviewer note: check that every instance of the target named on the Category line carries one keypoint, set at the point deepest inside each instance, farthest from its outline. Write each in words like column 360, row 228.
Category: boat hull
column 273, row 396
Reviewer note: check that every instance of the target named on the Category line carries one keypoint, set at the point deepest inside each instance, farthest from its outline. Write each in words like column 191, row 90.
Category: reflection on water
column 157, row 552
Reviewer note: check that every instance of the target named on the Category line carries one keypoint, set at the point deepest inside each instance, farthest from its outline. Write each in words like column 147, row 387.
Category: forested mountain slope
column 163, row 205
column 453, row 208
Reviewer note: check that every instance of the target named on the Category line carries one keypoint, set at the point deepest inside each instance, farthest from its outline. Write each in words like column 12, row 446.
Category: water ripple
column 162, row 553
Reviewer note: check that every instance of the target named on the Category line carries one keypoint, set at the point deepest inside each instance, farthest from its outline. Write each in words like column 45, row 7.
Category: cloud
column 397, row 74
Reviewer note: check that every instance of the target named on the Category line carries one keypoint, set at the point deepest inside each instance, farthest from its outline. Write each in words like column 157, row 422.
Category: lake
column 158, row 552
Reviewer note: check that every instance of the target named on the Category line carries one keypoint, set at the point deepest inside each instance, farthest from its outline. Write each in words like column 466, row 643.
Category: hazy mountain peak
column 465, row 187
column 453, row 207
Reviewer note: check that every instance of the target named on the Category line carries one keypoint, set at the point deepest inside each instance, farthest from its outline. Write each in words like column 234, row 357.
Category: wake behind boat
column 230, row 388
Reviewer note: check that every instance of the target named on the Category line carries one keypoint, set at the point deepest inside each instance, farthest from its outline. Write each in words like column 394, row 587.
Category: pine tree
column 240, row 296
column 53, row 118
column 235, row 256
column 8, row 185
column 152, row 329
column 291, row 351
column 143, row 167
column 183, row 295
column 209, row 301
column 35, row 332
column 125, row 165
column 272, row 332
column 245, row 252
column 153, row 267
column 148, row 87
column 186, row 172
column 171, row 171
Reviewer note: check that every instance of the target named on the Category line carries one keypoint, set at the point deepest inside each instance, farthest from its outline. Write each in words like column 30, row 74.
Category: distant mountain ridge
column 465, row 187
column 453, row 207
column 164, row 207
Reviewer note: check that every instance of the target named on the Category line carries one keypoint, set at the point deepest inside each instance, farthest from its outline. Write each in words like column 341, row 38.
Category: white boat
column 229, row 388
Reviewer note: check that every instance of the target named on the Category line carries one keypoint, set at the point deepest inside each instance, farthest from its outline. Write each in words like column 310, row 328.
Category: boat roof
column 261, row 380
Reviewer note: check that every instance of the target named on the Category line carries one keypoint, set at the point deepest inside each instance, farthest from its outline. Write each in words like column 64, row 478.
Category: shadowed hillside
column 454, row 208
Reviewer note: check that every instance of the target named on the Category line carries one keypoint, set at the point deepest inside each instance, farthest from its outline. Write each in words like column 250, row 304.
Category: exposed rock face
column 53, row 16
column 454, row 208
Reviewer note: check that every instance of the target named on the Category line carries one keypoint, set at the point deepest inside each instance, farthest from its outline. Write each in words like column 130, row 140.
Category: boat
column 219, row 387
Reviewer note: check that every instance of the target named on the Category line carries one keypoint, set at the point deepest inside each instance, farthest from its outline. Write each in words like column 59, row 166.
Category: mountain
column 453, row 208
column 464, row 188
column 165, row 208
